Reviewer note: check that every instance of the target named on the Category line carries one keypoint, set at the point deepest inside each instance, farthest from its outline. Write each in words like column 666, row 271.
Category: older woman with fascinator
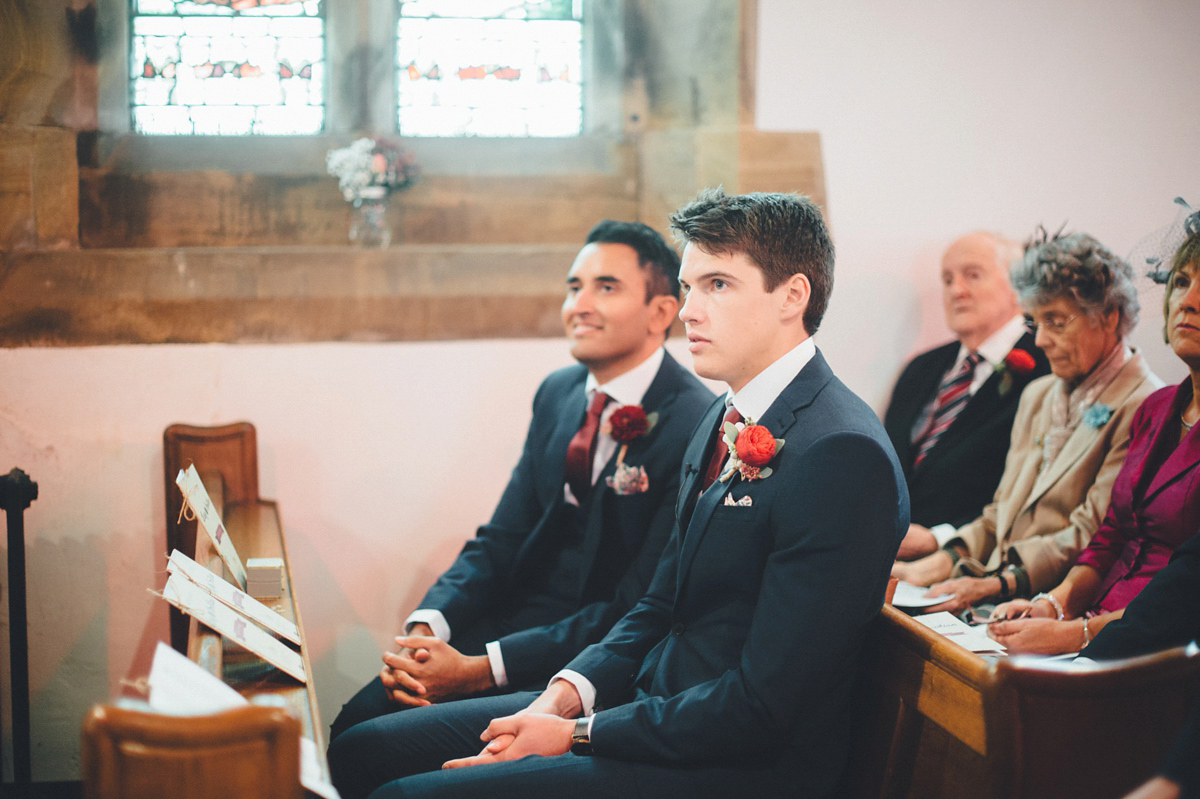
column 1069, row 437
column 1155, row 500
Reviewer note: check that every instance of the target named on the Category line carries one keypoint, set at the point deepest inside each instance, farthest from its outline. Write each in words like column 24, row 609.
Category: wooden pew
column 251, row 752
column 935, row 720
column 226, row 458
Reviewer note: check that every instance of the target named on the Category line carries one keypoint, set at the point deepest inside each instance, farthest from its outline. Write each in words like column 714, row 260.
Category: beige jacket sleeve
column 979, row 536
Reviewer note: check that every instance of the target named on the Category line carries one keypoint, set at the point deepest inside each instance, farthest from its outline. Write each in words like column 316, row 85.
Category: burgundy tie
column 582, row 449
column 720, row 450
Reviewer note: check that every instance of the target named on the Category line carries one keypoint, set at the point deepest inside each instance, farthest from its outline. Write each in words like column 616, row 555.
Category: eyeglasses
column 1053, row 324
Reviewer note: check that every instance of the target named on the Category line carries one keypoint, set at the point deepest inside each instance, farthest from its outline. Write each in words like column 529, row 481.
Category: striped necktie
column 952, row 397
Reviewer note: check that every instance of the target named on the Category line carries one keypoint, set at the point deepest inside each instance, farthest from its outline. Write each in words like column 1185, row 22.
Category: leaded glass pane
column 227, row 67
column 490, row 68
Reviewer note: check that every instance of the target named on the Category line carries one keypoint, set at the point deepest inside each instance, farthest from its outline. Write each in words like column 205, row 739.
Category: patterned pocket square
column 744, row 502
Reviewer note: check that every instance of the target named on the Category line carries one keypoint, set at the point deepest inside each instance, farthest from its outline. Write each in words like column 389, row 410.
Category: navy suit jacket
column 958, row 477
column 744, row 650
column 623, row 536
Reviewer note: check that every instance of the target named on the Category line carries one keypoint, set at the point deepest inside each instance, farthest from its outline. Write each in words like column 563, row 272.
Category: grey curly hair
column 1078, row 266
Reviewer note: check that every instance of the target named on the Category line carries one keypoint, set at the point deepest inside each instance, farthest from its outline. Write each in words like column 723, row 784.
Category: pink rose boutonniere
column 627, row 424
column 751, row 448
column 1017, row 362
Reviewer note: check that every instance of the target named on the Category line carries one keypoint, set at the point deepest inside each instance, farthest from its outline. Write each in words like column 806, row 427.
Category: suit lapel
column 934, row 370
column 1182, row 460
column 695, row 459
column 1182, row 457
column 659, row 397
column 779, row 419
column 570, row 419
column 1084, row 436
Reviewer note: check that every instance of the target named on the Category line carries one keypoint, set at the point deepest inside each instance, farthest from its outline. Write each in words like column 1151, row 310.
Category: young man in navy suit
column 571, row 546
column 733, row 675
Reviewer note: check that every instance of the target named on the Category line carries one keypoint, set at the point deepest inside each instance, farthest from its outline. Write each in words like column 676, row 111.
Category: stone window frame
column 361, row 40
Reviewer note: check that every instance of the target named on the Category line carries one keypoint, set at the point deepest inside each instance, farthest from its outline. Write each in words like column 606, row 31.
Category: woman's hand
column 1036, row 636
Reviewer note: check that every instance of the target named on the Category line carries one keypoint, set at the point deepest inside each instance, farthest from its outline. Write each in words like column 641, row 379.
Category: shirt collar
column 630, row 387
column 999, row 344
column 758, row 395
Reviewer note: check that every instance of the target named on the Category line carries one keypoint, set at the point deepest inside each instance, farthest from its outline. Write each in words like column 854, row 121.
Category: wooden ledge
column 281, row 294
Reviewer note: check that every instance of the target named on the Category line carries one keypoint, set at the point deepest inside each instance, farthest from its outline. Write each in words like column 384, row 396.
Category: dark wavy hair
column 783, row 234
column 655, row 256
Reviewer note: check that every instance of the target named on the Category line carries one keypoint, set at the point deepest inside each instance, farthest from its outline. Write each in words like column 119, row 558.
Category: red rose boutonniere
column 1017, row 362
column 751, row 448
column 627, row 424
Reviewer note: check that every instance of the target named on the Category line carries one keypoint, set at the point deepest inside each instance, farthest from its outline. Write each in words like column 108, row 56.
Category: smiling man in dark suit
column 953, row 451
column 576, row 536
column 733, row 675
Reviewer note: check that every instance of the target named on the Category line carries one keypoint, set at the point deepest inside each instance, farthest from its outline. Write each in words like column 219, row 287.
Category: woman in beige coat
column 1069, row 437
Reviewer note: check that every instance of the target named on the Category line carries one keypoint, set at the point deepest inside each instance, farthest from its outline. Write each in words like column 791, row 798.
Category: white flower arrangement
column 371, row 167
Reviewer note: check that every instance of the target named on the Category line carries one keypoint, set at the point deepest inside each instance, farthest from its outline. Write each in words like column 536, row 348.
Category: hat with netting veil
column 1152, row 255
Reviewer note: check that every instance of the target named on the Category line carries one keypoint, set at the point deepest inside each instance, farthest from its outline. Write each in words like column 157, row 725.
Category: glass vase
column 368, row 220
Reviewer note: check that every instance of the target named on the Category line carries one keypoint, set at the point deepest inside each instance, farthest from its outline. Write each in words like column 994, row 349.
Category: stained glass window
column 227, row 67
column 490, row 68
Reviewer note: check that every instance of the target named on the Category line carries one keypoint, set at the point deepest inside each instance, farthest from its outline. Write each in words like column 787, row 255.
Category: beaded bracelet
column 1058, row 608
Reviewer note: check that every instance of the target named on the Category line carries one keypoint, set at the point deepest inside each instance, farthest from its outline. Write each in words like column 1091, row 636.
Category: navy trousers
column 401, row 754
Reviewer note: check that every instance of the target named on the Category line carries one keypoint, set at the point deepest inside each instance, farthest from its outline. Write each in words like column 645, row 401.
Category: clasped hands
column 544, row 728
column 427, row 670
column 1034, row 628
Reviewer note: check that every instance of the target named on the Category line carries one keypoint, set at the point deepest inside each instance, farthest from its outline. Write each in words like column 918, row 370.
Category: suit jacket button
column 678, row 629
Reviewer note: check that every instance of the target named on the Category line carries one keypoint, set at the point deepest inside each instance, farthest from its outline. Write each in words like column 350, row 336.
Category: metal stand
column 17, row 491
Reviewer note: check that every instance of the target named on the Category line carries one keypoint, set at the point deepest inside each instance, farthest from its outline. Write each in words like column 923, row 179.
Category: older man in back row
column 952, row 410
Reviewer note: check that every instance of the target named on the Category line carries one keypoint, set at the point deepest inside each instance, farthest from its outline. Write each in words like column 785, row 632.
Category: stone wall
column 668, row 115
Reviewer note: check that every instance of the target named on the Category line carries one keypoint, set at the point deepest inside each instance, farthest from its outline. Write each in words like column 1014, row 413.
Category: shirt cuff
column 435, row 620
column 587, row 691
column 496, row 661
column 944, row 533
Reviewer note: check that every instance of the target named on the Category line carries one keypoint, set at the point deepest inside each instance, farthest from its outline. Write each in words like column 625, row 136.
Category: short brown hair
column 1188, row 254
column 782, row 234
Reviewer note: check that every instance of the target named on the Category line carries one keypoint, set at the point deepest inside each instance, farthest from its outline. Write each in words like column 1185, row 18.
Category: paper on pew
column 974, row 639
column 196, row 496
column 188, row 597
column 231, row 596
column 179, row 687
column 913, row 596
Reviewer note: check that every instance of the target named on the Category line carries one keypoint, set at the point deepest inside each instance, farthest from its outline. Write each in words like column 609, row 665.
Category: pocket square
column 744, row 502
